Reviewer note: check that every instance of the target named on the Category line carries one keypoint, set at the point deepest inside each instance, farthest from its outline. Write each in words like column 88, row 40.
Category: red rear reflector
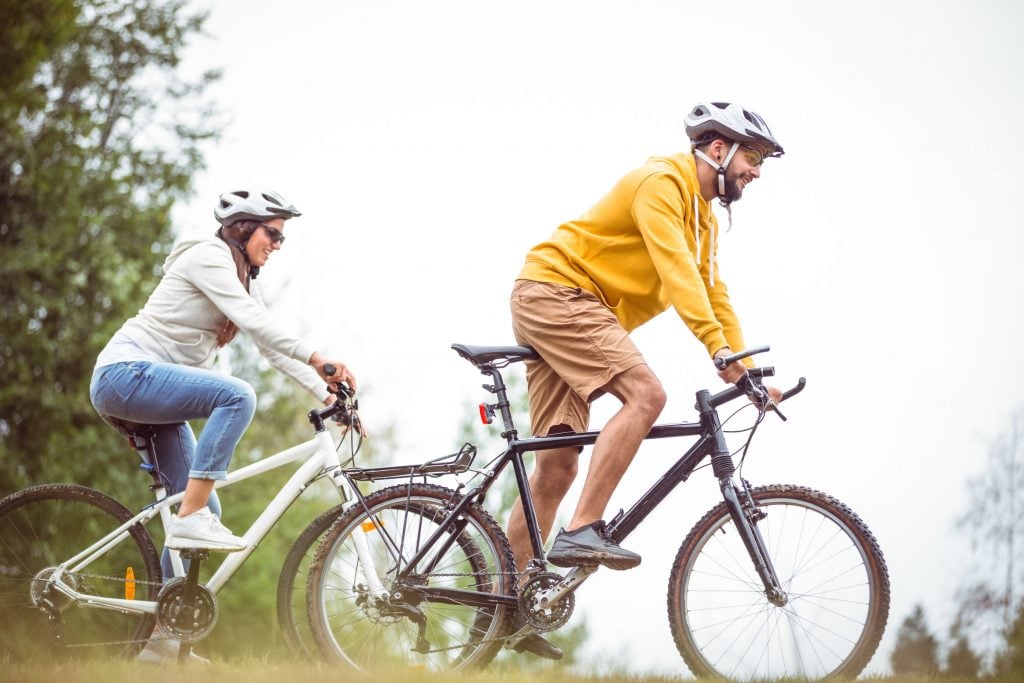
column 485, row 415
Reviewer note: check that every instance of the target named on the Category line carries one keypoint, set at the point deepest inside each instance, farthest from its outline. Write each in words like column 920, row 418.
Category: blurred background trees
column 988, row 632
column 98, row 138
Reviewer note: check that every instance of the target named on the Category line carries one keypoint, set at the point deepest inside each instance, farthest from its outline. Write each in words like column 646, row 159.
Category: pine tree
column 916, row 650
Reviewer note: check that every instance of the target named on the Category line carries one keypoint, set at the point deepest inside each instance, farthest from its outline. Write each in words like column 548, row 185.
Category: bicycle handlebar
column 750, row 383
column 722, row 362
column 343, row 389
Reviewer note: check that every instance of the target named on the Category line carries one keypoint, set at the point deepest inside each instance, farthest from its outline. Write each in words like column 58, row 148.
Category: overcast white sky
column 431, row 144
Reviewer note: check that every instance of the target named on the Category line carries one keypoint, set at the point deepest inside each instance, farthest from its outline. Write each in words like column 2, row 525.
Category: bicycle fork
column 745, row 515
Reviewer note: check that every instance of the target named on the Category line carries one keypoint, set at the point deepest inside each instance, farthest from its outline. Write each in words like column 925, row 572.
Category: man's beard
column 733, row 189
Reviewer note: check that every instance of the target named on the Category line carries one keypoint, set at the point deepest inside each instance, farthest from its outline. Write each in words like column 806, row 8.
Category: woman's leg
column 169, row 394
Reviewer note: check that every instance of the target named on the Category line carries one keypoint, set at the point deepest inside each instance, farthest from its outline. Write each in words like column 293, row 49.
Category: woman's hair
column 236, row 236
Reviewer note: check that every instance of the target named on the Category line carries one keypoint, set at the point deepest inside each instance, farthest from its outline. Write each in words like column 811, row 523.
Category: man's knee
column 640, row 388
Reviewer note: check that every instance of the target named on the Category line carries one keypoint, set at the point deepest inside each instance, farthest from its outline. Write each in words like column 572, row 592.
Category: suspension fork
column 740, row 504
column 745, row 515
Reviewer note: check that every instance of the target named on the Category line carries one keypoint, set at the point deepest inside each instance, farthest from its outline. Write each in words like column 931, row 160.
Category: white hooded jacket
column 197, row 295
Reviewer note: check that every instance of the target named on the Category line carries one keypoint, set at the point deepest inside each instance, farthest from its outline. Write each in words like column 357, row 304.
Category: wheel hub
column 42, row 593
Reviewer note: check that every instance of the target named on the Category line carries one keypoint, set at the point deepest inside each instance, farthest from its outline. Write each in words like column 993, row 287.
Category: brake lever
column 759, row 396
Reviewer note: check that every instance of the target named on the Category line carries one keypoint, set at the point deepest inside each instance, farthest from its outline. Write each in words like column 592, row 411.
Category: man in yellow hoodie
column 648, row 245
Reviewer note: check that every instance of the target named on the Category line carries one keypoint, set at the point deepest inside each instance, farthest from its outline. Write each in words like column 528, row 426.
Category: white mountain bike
column 79, row 570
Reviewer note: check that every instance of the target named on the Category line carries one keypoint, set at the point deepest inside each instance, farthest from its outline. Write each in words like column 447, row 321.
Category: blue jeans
column 167, row 395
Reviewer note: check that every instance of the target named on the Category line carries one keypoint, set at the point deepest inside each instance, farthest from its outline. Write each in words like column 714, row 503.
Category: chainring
column 545, row 617
column 177, row 620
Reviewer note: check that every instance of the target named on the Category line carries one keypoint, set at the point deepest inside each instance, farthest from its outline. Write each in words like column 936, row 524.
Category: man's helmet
column 733, row 122
column 254, row 205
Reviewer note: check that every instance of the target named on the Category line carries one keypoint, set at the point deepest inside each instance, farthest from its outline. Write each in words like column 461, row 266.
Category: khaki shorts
column 582, row 347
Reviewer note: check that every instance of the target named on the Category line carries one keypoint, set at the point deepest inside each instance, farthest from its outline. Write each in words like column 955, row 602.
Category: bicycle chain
column 117, row 579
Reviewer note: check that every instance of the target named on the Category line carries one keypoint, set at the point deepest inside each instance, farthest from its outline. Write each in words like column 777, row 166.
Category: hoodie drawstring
column 696, row 231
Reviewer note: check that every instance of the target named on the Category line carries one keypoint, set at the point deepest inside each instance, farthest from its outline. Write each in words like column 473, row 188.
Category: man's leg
column 643, row 399
column 585, row 543
column 553, row 474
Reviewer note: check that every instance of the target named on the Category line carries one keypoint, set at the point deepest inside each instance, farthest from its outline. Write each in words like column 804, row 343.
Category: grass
column 257, row 670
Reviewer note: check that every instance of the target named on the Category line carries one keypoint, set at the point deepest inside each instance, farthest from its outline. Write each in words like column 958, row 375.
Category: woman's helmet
column 733, row 122
column 253, row 205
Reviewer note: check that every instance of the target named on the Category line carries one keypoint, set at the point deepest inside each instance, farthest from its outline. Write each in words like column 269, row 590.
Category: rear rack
column 456, row 463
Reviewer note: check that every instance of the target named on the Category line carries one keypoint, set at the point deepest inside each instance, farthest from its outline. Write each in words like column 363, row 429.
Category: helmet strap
column 720, row 168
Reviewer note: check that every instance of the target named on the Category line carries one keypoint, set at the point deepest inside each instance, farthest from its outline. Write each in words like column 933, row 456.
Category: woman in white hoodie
column 156, row 368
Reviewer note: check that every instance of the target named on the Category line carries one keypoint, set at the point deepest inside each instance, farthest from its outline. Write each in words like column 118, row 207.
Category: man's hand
column 732, row 372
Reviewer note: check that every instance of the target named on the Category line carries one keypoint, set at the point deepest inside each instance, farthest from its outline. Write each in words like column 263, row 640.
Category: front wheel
column 830, row 567
column 451, row 611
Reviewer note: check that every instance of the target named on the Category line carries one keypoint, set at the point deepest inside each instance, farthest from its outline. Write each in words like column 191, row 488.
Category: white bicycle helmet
column 253, row 204
column 733, row 122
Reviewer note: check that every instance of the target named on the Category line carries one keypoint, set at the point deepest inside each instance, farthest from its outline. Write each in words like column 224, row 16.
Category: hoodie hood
column 179, row 249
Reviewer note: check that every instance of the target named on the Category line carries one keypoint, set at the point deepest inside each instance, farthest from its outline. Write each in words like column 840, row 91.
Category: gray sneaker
column 590, row 545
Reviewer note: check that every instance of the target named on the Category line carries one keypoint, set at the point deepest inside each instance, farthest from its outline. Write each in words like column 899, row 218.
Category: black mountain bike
column 774, row 582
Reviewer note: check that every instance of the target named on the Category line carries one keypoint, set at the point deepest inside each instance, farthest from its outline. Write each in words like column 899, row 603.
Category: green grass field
column 266, row 671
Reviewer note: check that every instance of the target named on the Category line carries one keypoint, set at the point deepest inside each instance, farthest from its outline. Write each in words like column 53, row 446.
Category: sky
column 431, row 144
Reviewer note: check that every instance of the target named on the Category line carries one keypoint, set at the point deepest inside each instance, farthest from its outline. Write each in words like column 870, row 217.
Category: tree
column 916, row 650
column 961, row 660
column 995, row 522
column 1009, row 662
column 98, row 138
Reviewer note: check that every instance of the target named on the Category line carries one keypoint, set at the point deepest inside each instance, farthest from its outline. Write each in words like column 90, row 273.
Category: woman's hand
column 341, row 371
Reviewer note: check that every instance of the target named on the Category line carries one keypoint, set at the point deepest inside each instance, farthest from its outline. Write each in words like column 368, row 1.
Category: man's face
column 743, row 169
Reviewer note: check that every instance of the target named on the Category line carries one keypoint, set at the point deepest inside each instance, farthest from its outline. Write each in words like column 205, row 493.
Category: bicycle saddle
column 481, row 355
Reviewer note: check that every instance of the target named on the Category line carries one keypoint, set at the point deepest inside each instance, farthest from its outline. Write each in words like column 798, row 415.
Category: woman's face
column 264, row 241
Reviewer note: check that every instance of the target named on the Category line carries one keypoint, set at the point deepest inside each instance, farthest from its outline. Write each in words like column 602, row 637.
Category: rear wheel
column 442, row 616
column 43, row 526
column 830, row 567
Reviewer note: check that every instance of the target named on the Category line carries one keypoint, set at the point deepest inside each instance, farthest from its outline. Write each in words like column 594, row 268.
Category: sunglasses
column 754, row 156
column 275, row 235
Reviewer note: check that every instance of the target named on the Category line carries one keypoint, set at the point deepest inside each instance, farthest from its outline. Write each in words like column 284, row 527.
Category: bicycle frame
column 319, row 455
column 710, row 444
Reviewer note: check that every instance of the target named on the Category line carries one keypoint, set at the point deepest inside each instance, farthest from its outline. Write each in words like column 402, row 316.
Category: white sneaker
column 163, row 650
column 202, row 530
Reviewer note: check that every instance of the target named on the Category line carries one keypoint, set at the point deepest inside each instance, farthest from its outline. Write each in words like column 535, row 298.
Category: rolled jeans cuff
column 216, row 475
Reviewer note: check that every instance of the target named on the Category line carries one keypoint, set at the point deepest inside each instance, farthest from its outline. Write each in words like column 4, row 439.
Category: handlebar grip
column 722, row 362
column 800, row 384
column 329, row 369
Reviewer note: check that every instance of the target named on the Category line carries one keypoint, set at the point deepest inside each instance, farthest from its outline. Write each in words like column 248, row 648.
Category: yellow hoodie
column 640, row 250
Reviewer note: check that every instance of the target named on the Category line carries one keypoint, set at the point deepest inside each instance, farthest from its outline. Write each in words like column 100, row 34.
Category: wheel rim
column 35, row 536
column 373, row 635
column 825, row 571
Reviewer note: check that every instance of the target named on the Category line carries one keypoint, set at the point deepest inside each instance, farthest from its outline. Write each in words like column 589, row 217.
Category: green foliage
column 1010, row 661
column 961, row 660
column 98, row 139
column 916, row 650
